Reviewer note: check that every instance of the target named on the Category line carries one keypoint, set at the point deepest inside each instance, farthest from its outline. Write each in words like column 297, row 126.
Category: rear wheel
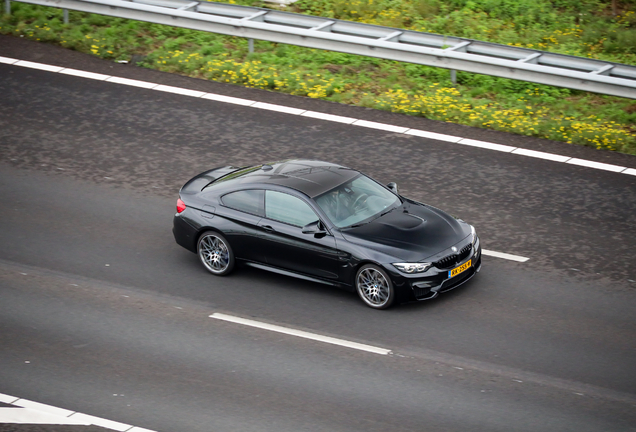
column 375, row 287
column 215, row 253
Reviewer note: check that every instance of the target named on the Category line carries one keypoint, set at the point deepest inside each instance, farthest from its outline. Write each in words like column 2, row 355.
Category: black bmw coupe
column 325, row 223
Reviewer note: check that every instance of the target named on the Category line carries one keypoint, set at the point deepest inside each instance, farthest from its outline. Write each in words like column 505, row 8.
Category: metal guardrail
column 369, row 40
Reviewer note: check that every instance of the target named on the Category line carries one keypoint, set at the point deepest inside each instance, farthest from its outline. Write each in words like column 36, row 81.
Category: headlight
column 473, row 235
column 412, row 267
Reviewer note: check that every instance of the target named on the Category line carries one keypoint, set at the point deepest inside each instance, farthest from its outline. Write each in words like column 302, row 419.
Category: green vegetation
column 590, row 28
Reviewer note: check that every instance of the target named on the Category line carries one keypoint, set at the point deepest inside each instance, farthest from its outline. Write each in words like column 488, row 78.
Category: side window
column 249, row 201
column 288, row 209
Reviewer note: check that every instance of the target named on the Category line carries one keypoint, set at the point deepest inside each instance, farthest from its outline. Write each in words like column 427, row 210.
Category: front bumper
column 428, row 285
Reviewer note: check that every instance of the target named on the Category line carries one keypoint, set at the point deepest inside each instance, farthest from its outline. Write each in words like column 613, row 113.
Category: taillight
column 180, row 206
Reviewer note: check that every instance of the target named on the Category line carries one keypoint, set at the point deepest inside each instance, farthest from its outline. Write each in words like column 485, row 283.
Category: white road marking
column 541, row 155
column 7, row 60
column 504, row 255
column 41, row 66
column 433, row 135
column 84, row 74
column 109, row 424
column 486, row 145
column 179, row 90
column 380, row 126
column 228, row 99
column 301, row 334
column 596, row 165
column 32, row 416
column 29, row 412
column 43, row 408
column 327, row 117
column 132, row 82
column 278, row 108
column 7, row 399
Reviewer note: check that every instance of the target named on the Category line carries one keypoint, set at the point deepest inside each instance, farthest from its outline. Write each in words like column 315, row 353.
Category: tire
column 374, row 287
column 215, row 253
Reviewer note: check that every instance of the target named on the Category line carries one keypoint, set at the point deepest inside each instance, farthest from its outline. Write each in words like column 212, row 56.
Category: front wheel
column 375, row 287
column 215, row 253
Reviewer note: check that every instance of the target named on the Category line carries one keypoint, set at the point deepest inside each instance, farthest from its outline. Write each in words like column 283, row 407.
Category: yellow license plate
column 457, row 270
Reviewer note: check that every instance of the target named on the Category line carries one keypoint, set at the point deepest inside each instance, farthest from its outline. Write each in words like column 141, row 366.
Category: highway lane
column 538, row 318
column 159, row 362
column 508, row 316
column 147, row 139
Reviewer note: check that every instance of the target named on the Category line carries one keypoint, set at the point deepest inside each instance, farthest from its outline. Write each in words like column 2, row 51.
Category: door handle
column 267, row 228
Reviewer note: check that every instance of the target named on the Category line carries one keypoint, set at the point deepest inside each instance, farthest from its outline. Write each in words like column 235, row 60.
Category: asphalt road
column 109, row 305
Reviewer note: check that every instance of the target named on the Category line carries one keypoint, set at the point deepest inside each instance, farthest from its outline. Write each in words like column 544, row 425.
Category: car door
column 285, row 244
column 241, row 211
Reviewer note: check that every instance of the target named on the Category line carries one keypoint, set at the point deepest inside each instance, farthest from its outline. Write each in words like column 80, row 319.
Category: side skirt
column 293, row 274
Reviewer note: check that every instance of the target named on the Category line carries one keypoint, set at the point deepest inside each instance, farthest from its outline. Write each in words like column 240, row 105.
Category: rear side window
column 288, row 209
column 249, row 201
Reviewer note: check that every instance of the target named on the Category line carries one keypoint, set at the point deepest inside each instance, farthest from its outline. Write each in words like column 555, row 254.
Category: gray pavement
column 82, row 163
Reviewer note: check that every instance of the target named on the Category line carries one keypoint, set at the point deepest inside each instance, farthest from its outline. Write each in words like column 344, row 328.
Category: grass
column 589, row 28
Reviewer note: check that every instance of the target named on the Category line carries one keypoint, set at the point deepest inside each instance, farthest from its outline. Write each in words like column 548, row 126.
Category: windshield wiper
column 369, row 221
column 357, row 225
column 387, row 212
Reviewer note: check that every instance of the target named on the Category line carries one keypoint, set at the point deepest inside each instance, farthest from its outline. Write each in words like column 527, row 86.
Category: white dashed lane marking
column 502, row 255
column 324, row 116
column 301, row 334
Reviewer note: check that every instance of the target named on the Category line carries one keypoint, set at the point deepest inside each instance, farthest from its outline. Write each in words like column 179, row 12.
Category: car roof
column 310, row 177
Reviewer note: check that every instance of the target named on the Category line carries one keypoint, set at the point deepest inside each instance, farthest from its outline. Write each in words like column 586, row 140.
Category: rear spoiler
column 198, row 183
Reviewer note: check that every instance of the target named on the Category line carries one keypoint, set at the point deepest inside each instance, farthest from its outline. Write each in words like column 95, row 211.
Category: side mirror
column 316, row 228
column 394, row 187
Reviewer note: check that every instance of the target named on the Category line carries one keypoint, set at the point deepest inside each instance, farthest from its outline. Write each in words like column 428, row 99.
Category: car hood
column 412, row 232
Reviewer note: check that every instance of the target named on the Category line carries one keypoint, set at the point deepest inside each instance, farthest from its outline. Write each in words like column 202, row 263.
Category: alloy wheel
column 214, row 254
column 374, row 288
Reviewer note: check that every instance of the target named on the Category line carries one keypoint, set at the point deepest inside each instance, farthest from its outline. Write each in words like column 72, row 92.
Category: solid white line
column 7, row 60
column 380, row 126
column 179, row 90
column 109, row 424
column 43, row 407
column 300, row 333
column 504, row 255
column 29, row 412
column 8, row 399
column 541, row 155
column 596, row 165
column 279, row 108
column 486, row 145
column 132, row 82
column 32, row 416
column 84, row 74
column 327, row 117
column 40, row 66
column 228, row 99
column 433, row 135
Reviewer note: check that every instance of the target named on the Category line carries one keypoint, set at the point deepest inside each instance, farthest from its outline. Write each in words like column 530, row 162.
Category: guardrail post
column 65, row 16
column 7, row 7
column 454, row 77
column 250, row 45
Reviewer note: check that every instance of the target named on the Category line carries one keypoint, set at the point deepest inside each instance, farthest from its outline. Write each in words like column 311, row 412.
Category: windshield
column 356, row 201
